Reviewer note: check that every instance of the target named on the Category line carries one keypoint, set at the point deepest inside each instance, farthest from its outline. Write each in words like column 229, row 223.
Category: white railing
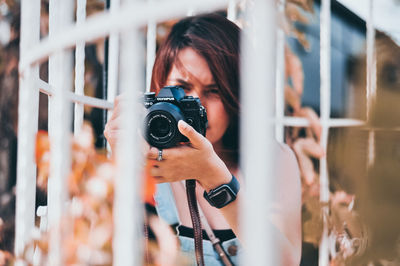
column 371, row 79
column 257, row 135
column 60, row 77
column 79, row 67
column 121, row 24
column 27, row 120
column 325, row 109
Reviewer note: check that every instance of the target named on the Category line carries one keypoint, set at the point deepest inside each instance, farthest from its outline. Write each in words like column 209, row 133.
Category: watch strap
column 224, row 194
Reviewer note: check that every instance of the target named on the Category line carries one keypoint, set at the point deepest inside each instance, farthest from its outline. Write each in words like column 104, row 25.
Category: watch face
column 222, row 197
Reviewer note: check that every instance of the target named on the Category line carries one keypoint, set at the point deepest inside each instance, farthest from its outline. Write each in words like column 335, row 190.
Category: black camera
column 165, row 110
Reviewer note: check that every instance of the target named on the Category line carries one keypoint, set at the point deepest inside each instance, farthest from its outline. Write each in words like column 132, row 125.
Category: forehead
column 191, row 67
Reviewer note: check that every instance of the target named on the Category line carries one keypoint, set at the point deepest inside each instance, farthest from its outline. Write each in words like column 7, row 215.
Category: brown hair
column 216, row 39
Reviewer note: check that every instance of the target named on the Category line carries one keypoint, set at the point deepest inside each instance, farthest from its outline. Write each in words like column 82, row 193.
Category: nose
column 196, row 94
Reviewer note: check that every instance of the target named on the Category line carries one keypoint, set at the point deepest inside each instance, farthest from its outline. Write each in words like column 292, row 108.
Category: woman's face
column 194, row 75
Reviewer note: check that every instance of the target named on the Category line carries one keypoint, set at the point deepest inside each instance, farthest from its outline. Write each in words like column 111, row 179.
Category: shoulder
column 285, row 149
column 286, row 159
column 288, row 198
column 288, row 175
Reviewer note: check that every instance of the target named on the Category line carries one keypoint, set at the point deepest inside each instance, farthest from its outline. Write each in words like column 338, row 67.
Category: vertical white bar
column 371, row 148
column 79, row 67
column 60, row 78
column 325, row 59
column 371, row 79
column 27, row 128
column 151, row 49
column 113, row 52
column 280, row 76
column 371, row 59
column 191, row 12
column 232, row 10
column 324, row 198
column 257, row 132
column 128, row 210
column 325, row 107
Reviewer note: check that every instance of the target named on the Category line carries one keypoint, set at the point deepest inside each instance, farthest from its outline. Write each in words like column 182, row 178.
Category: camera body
column 165, row 110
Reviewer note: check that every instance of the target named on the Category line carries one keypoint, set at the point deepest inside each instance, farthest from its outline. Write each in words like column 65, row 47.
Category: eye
column 212, row 92
column 183, row 85
column 185, row 88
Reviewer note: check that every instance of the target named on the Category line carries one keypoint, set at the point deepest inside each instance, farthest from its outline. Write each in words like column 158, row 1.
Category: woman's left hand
column 196, row 160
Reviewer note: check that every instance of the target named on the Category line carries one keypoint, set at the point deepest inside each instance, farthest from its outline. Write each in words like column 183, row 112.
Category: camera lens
column 160, row 127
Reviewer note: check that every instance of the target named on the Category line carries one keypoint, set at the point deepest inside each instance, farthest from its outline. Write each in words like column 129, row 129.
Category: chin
column 215, row 142
column 210, row 138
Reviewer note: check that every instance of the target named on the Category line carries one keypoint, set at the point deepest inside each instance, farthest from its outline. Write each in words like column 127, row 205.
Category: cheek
column 218, row 121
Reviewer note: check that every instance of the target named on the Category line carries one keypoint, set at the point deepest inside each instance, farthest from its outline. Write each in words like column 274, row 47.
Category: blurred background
column 365, row 204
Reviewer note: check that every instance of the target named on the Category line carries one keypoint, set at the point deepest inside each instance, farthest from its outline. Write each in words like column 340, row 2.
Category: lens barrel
column 161, row 125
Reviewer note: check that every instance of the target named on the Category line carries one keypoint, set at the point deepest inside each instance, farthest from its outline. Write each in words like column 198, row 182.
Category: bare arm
column 202, row 163
column 199, row 161
column 286, row 215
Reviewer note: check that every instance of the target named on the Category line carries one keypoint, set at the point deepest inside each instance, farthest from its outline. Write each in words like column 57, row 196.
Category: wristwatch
column 224, row 194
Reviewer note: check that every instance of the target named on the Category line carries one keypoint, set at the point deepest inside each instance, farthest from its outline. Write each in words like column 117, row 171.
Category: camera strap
column 216, row 242
column 204, row 223
column 195, row 216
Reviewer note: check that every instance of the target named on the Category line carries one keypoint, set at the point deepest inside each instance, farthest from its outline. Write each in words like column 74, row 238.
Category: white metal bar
column 324, row 198
column 128, row 211
column 325, row 61
column 280, row 76
column 344, row 122
column 151, row 49
column 232, row 10
column 103, row 24
column 90, row 101
column 371, row 59
column 191, row 11
column 41, row 212
column 27, row 124
column 113, row 51
column 79, row 67
column 70, row 96
column 371, row 148
column 325, row 107
column 257, row 135
column 371, row 79
column 285, row 121
column 60, row 77
column 332, row 122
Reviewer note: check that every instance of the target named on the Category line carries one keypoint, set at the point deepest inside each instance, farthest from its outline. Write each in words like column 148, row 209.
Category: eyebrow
column 212, row 86
column 183, row 82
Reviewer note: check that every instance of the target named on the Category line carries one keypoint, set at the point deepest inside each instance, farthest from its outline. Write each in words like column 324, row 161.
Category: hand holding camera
column 160, row 127
column 165, row 110
column 172, row 119
column 162, row 130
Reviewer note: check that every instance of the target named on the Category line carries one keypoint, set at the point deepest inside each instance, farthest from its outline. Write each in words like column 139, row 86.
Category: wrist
column 216, row 180
column 217, row 174
column 224, row 194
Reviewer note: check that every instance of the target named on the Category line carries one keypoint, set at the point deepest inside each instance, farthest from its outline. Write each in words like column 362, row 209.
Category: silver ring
column 159, row 158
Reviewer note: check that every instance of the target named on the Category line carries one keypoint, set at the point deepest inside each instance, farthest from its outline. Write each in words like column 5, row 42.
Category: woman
column 201, row 55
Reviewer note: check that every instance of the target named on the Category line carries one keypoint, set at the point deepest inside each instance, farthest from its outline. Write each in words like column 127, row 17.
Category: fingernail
column 183, row 124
